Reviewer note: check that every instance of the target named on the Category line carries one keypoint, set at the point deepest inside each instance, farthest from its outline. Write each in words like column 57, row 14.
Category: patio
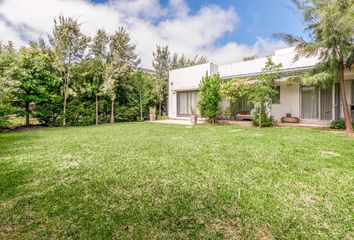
column 239, row 123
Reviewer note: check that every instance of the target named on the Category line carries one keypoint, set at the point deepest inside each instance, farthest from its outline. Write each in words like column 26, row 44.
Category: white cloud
column 148, row 22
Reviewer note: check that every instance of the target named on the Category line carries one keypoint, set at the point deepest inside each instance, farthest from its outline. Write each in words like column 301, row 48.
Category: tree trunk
column 64, row 110
column 141, row 111
column 160, row 108
column 27, row 114
column 260, row 115
column 96, row 109
column 112, row 110
column 343, row 95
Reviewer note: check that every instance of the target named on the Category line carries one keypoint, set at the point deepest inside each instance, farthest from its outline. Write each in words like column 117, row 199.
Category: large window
column 309, row 103
column 186, row 101
column 316, row 103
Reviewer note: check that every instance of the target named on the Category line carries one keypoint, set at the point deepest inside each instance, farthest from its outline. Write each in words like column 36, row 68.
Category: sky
column 224, row 31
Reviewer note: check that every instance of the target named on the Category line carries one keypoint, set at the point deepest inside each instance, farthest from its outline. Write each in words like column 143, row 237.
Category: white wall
column 289, row 101
column 186, row 79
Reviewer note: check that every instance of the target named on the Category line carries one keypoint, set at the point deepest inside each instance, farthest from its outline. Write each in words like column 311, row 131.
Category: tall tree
column 261, row 93
column 7, row 61
column 121, row 60
column 99, row 52
column 69, row 44
column 161, row 64
column 141, row 91
column 330, row 26
column 33, row 72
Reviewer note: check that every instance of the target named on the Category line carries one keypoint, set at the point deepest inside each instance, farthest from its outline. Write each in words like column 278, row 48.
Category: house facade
column 308, row 103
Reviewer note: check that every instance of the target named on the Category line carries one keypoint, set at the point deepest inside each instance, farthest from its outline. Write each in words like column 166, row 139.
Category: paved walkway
column 176, row 121
column 240, row 123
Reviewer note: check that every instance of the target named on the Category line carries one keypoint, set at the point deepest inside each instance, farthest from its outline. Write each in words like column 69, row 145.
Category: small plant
column 152, row 110
column 338, row 124
column 152, row 115
column 260, row 117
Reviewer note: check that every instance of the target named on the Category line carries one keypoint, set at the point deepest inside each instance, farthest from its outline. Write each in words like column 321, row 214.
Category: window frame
column 177, row 98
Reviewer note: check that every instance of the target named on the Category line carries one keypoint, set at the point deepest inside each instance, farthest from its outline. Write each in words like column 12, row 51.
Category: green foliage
column 70, row 44
column 7, row 62
column 161, row 64
column 338, row 124
column 33, row 77
column 140, row 94
column 209, row 97
column 260, row 117
column 152, row 110
column 80, row 113
column 182, row 61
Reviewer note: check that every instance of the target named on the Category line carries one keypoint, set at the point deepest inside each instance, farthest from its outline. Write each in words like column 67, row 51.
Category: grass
column 150, row 181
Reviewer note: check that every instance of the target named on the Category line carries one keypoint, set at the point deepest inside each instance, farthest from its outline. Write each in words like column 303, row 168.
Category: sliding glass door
column 309, row 103
column 316, row 104
column 185, row 102
column 326, row 104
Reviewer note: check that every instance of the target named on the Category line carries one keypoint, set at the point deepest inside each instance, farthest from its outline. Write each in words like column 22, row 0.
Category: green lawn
column 150, row 181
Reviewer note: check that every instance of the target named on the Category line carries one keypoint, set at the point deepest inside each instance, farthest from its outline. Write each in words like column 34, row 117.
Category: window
column 309, row 103
column 276, row 97
column 186, row 101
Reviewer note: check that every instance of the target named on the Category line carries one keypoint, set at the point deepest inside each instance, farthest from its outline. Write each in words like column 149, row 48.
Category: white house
column 309, row 104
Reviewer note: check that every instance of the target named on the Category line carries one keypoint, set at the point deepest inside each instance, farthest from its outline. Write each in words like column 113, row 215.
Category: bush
column 80, row 113
column 265, row 120
column 338, row 124
column 209, row 97
column 48, row 113
column 261, row 117
column 126, row 113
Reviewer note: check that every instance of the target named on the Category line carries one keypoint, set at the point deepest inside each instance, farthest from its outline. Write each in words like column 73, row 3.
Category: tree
column 121, row 60
column 330, row 26
column 209, row 97
column 7, row 61
column 69, row 45
column 99, row 53
column 33, row 72
column 261, row 93
column 182, row 61
column 161, row 64
column 141, row 91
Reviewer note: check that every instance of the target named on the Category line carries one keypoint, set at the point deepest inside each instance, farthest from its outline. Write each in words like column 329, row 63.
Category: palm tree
column 330, row 24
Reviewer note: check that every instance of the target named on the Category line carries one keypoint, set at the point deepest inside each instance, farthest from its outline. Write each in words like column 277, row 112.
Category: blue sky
column 223, row 31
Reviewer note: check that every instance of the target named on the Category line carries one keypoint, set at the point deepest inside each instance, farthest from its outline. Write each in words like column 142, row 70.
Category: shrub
column 338, row 124
column 126, row 113
column 80, row 113
column 265, row 120
column 261, row 117
column 209, row 97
